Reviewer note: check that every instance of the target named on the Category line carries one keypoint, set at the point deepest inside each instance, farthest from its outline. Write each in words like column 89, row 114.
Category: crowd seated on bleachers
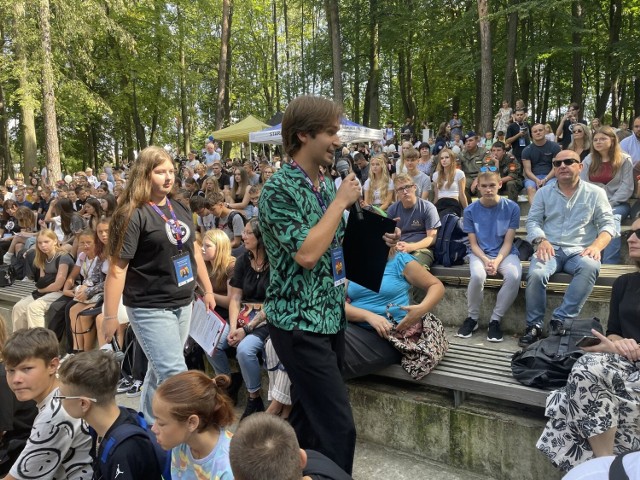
column 61, row 237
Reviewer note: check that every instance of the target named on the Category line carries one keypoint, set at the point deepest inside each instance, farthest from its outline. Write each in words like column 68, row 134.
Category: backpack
column 127, row 430
column 451, row 242
column 232, row 215
column 547, row 363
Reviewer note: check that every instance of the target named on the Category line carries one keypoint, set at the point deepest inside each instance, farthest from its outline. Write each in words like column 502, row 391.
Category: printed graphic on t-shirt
column 185, row 232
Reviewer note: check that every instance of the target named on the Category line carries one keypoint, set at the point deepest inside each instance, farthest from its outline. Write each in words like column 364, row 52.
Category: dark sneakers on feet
column 495, row 332
column 254, row 405
column 468, row 327
column 532, row 335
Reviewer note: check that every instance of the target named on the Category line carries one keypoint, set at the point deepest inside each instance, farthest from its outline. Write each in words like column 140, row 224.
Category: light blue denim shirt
column 570, row 223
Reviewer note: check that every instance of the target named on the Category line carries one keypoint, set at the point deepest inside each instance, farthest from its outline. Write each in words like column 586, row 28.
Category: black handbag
column 548, row 362
column 7, row 275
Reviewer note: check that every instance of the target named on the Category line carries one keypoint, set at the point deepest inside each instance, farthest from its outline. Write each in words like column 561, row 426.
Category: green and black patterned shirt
column 297, row 297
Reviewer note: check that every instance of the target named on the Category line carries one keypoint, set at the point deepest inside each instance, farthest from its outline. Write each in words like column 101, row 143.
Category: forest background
column 88, row 81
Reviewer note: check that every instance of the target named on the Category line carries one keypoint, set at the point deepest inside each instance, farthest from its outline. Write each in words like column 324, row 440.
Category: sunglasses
column 568, row 162
column 488, row 169
column 627, row 235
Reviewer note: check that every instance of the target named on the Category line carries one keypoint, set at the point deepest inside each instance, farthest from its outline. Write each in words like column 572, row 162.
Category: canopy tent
column 239, row 132
column 350, row 132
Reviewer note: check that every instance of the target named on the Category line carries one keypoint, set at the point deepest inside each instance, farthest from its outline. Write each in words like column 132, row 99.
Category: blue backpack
column 127, row 430
column 451, row 242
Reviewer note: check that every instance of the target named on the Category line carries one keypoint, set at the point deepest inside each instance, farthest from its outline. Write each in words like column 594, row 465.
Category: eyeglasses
column 568, row 162
column 247, row 233
column 63, row 397
column 404, row 189
column 488, row 169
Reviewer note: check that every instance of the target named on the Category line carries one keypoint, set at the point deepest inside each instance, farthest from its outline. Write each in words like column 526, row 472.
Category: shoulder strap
column 617, row 471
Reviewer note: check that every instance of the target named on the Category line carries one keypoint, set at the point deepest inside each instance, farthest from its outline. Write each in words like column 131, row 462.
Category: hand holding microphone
column 350, row 183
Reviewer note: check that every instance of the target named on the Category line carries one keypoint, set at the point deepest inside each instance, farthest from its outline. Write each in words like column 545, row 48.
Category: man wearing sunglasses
column 569, row 224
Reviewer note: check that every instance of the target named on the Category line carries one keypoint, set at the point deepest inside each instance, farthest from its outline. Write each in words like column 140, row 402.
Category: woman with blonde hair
column 378, row 188
column 151, row 248
column 216, row 251
column 448, row 185
column 612, row 169
column 580, row 140
column 210, row 186
column 52, row 266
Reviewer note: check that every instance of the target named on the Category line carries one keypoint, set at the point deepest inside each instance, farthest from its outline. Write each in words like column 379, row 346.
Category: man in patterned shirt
column 303, row 227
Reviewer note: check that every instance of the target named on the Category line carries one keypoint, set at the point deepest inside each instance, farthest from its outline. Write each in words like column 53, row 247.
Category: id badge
column 182, row 268
column 337, row 265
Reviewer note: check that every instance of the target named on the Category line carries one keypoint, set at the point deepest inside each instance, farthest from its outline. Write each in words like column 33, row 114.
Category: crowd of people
column 124, row 255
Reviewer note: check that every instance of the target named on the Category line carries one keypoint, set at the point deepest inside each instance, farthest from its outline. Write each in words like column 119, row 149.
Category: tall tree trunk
column 285, row 14
column 26, row 95
column 89, row 160
column 333, row 20
column 222, row 65
column 371, row 115
column 275, row 67
column 636, row 99
column 128, row 136
column 184, row 115
column 486, row 61
column 577, row 12
column 510, row 64
column 140, row 133
column 48, row 98
column 5, row 150
column 226, row 148
column 545, row 98
column 611, row 59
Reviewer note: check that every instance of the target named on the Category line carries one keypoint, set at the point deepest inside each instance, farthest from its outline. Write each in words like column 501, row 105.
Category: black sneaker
column 495, row 332
column 532, row 335
column 234, row 387
column 468, row 327
column 124, row 385
column 556, row 327
column 254, row 405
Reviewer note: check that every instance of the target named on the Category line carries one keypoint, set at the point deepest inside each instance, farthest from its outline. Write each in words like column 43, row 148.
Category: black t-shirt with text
column 149, row 245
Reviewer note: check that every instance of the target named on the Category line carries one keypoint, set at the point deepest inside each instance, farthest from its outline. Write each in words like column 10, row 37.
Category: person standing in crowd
column 456, row 125
column 518, row 134
column 151, row 248
column 564, row 131
column 503, row 117
column 301, row 216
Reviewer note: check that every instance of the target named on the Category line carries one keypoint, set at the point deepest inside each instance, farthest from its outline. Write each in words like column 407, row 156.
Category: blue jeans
column 611, row 254
column 247, row 355
column 161, row 333
column 585, row 271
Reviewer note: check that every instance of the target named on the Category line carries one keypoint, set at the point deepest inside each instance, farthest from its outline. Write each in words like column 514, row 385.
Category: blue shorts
column 530, row 183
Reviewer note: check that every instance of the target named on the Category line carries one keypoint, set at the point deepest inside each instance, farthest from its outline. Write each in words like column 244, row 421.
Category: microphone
column 343, row 167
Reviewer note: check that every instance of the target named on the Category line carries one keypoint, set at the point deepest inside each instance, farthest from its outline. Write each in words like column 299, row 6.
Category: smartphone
column 587, row 341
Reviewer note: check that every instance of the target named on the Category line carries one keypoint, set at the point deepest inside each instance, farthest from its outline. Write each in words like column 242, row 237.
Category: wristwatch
column 538, row 241
column 247, row 329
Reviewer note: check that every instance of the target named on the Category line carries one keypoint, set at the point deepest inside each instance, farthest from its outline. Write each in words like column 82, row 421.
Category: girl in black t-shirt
column 151, row 249
column 8, row 224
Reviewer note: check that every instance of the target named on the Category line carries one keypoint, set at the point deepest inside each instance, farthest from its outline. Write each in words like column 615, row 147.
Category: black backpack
column 547, row 363
column 232, row 215
column 451, row 242
column 126, row 430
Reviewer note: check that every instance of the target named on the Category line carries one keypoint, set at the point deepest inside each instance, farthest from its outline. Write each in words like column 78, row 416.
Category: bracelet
column 207, row 293
column 109, row 317
column 247, row 329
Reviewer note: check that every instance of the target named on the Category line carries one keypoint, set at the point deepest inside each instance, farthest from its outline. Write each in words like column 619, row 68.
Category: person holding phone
column 596, row 414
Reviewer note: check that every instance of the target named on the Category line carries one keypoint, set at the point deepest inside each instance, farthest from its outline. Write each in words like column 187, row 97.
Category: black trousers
column 321, row 414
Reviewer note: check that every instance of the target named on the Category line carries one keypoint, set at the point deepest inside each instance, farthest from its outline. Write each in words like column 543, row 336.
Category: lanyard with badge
column 182, row 261
column 337, row 254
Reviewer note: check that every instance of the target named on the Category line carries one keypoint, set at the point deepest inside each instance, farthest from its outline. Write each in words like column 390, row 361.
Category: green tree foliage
column 128, row 74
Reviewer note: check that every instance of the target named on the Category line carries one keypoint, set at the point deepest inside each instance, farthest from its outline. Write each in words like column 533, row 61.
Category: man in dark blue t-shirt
column 536, row 161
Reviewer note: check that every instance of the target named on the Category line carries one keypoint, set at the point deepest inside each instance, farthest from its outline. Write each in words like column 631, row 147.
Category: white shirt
column 631, row 145
column 453, row 191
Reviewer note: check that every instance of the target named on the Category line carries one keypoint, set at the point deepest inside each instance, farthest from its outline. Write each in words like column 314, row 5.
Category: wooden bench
column 470, row 369
column 459, row 276
column 11, row 295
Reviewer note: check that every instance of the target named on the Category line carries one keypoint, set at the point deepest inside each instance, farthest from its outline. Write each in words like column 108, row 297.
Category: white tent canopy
column 350, row 132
